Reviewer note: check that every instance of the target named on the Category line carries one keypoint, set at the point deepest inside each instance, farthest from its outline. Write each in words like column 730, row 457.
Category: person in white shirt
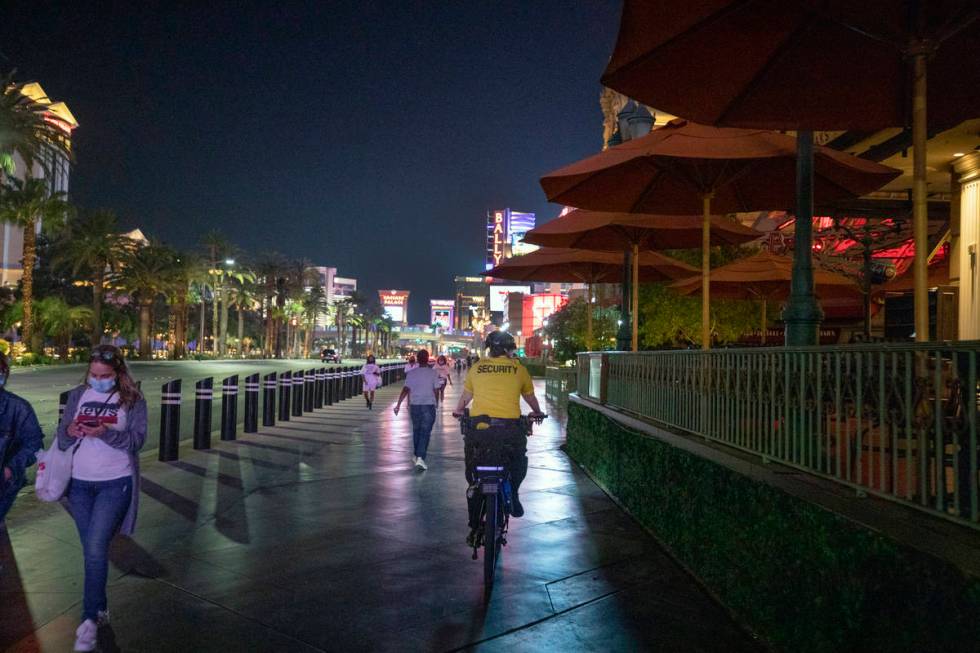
column 372, row 381
column 421, row 386
column 104, row 424
column 444, row 371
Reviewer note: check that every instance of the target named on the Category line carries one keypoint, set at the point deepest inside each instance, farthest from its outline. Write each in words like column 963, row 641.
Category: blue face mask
column 3, row 381
column 101, row 385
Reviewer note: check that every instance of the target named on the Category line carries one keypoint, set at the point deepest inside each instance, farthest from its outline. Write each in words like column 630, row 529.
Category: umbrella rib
column 658, row 172
column 704, row 22
column 767, row 66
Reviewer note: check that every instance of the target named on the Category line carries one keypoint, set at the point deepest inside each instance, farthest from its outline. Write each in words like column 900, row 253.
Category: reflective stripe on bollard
column 251, row 404
column 309, row 386
column 170, row 420
column 203, row 394
column 229, row 408
column 269, row 400
column 285, row 392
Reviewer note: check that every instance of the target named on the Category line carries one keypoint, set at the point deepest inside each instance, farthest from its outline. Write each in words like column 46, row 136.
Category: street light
column 229, row 261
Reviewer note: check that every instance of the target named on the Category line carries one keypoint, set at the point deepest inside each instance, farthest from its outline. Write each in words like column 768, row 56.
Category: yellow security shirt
column 497, row 385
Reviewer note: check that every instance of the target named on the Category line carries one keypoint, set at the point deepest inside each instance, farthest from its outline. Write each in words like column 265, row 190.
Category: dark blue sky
column 371, row 136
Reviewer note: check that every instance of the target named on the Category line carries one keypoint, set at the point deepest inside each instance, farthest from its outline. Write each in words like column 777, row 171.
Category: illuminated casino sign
column 441, row 312
column 395, row 304
column 505, row 230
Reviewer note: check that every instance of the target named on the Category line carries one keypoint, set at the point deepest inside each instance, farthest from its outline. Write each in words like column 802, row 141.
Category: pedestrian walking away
column 372, row 380
column 20, row 438
column 421, row 387
column 105, row 424
column 444, row 371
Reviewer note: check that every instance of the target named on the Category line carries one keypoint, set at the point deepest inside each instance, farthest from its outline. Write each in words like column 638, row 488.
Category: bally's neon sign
column 498, row 237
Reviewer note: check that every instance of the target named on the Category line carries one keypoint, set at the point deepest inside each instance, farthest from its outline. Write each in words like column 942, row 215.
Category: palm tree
column 59, row 320
column 91, row 244
column 269, row 270
column 216, row 248
column 314, row 305
column 342, row 312
column 386, row 325
column 146, row 275
column 24, row 130
column 188, row 270
column 28, row 204
column 243, row 295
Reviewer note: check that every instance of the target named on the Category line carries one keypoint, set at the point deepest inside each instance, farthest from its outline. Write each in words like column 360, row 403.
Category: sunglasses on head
column 104, row 356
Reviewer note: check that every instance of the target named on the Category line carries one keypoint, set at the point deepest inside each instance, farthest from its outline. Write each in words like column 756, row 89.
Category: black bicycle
column 492, row 480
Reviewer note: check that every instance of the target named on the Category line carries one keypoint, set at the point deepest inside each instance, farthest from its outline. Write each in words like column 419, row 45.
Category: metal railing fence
column 897, row 421
column 559, row 382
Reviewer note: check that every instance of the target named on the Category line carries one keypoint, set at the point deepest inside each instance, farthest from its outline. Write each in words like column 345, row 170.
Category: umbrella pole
column 919, row 215
column 636, row 297
column 765, row 321
column 588, row 318
column 706, row 271
column 802, row 314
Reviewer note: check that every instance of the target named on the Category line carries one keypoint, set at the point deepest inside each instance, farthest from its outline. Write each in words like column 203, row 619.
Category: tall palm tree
column 342, row 311
column 235, row 275
column 386, row 325
column 243, row 295
column 91, row 244
column 216, row 249
column 268, row 269
column 28, row 204
column 314, row 305
column 24, row 130
column 59, row 320
column 146, row 275
column 188, row 270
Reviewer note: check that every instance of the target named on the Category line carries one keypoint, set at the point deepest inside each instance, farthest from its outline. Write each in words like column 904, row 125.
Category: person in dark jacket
column 20, row 438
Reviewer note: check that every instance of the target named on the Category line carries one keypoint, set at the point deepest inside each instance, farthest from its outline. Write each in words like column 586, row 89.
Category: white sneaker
column 415, row 460
column 420, row 463
column 87, row 635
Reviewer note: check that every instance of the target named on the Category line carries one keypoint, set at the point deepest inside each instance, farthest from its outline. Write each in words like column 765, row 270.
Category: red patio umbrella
column 766, row 277
column 684, row 166
column 808, row 64
column 618, row 232
column 588, row 267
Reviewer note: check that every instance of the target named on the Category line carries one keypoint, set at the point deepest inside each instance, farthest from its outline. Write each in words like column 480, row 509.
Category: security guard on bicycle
column 496, row 385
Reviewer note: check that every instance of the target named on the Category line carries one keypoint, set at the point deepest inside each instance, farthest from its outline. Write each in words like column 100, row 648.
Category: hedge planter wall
column 803, row 578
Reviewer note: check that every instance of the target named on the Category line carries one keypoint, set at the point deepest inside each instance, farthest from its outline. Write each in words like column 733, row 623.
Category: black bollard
column 62, row 401
column 346, row 388
column 285, row 392
column 170, row 420
column 203, row 395
column 251, row 404
column 318, row 388
column 269, row 400
column 229, row 407
column 328, row 387
column 351, row 383
column 309, row 386
column 298, row 393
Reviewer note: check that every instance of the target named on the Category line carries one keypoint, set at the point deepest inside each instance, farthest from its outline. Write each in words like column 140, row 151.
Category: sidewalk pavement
column 319, row 535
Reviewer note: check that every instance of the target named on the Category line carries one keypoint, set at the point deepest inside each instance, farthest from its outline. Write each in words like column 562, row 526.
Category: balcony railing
column 559, row 382
column 896, row 421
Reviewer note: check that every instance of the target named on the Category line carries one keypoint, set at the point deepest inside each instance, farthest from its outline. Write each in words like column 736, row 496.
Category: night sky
column 369, row 136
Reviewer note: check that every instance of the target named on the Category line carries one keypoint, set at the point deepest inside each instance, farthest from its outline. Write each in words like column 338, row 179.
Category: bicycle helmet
column 500, row 343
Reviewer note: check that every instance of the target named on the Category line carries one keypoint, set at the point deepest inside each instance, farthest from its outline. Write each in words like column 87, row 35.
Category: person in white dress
column 372, row 381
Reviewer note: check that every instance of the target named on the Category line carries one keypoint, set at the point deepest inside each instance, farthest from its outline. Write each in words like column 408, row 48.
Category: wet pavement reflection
column 319, row 535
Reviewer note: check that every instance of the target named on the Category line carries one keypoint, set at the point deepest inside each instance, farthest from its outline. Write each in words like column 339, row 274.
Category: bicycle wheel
column 491, row 539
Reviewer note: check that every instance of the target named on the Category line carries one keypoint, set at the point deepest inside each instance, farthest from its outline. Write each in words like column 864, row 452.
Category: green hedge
column 803, row 578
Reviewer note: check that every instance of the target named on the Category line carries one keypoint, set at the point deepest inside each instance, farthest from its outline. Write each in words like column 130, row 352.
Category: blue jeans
column 423, row 417
column 98, row 508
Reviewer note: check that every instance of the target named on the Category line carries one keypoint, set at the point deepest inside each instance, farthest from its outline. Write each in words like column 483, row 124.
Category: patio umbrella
column 588, row 267
column 683, row 167
column 808, row 64
column 632, row 232
column 765, row 277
